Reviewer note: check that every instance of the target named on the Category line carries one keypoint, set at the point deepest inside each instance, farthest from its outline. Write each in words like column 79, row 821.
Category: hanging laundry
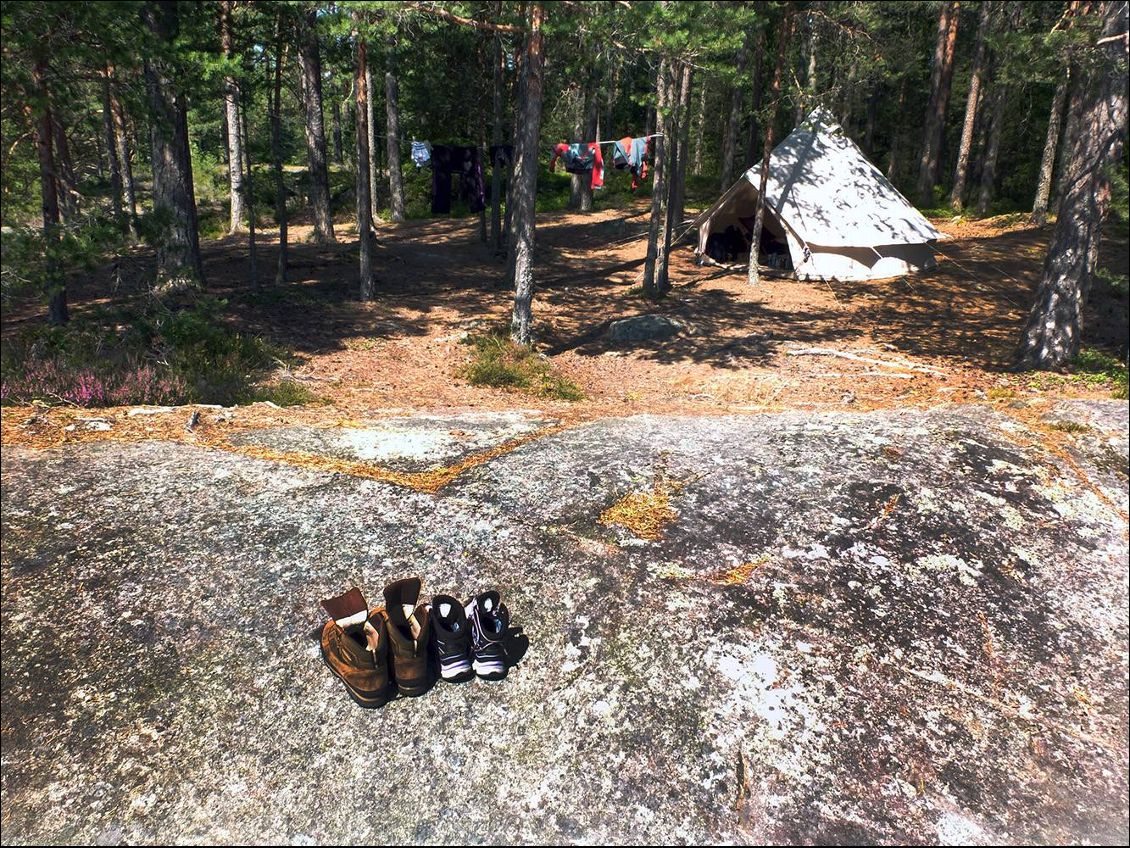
column 580, row 159
column 631, row 154
column 465, row 163
column 502, row 155
column 421, row 153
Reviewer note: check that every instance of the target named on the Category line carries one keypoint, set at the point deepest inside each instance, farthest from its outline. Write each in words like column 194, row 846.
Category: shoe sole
column 489, row 671
column 360, row 699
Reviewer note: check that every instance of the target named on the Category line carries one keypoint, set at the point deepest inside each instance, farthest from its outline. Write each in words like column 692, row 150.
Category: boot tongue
column 348, row 611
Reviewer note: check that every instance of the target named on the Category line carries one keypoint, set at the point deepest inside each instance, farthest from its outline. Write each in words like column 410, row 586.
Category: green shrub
column 500, row 363
column 1094, row 366
column 157, row 353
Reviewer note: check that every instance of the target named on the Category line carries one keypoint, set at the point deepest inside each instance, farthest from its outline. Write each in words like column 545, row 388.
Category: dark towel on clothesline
column 467, row 164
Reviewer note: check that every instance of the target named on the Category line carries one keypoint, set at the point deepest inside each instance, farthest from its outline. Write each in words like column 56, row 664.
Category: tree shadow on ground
column 435, row 276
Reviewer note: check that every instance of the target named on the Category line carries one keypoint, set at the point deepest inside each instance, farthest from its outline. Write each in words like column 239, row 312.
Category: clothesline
column 614, row 140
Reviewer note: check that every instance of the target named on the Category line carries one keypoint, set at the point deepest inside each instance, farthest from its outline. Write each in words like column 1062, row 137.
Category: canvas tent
column 830, row 214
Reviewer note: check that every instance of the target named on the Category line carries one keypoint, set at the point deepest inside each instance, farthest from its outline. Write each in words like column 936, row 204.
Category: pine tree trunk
column 392, row 141
column 729, row 140
column 495, row 140
column 64, row 171
column 751, row 145
column 526, row 178
column 610, row 104
column 335, row 112
column 231, row 111
column 671, row 168
column 847, row 99
column 249, row 200
column 577, row 181
column 224, row 135
column 869, row 126
column 957, row 193
column 808, row 57
column 112, row 152
column 655, row 265
column 121, row 144
column 940, row 79
column 371, row 127
column 683, row 126
column 515, row 134
column 592, row 119
column 310, row 60
column 1047, row 161
column 894, row 157
column 1055, row 324
column 276, row 152
column 992, row 152
column 55, row 280
column 699, row 131
column 785, row 36
column 178, row 248
column 364, row 202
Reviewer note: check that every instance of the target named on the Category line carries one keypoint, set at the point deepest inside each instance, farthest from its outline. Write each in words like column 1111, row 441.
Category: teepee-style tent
column 830, row 214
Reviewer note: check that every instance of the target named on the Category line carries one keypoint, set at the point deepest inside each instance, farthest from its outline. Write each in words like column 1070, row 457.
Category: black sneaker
column 451, row 638
column 489, row 620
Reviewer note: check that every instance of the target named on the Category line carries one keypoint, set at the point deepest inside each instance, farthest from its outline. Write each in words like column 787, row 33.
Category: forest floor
column 945, row 336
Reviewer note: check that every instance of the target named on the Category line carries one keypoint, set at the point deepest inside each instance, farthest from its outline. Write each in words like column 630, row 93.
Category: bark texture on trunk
column 872, row 113
column 754, row 273
column 577, row 181
column 730, row 139
column 526, row 177
column 121, row 144
column 112, row 151
column 592, row 119
column 992, row 151
column 1047, row 162
column 335, row 111
column 699, row 131
column 249, row 202
column 364, row 202
column 655, row 281
column 683, row 127
column 174, row 206
column 231, row 111
column 752, row 147
column 940, row 79
column 808, row 61
column 1055, row 324
column 309, row 58
column 371, row 127
column 55, row 281
column 957, row 193
column 392, row 140
column 64, row 169
column 894, row 157
column 496, row 139
column 276, row 152
column 515, row 135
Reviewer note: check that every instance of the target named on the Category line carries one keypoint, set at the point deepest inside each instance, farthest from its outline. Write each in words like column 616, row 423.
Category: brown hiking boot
column 355, row 647
column 407, row 623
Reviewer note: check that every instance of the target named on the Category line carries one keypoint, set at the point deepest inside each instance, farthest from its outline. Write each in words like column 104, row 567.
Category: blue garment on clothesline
column 421, row 153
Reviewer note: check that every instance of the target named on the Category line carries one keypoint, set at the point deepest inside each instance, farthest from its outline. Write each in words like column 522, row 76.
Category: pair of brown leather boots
column 362, row 645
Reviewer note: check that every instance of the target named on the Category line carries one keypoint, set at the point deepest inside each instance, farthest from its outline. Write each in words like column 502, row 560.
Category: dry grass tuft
column 644, row 514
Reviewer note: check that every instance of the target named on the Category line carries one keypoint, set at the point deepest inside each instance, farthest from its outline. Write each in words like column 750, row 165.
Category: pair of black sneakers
column 469, row 639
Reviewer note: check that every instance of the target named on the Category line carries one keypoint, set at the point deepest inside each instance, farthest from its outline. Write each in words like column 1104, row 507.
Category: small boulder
column 642, row 328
